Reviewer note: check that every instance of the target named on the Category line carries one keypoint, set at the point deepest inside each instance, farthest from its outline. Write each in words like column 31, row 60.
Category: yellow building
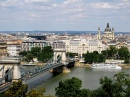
column 3, row 49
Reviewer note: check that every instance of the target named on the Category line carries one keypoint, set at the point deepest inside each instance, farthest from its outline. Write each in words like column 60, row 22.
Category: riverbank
column 126, row 66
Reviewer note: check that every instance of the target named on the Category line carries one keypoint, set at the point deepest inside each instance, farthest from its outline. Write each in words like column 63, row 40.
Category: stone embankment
column 127, row 66
column 77, row 64
column 82, row 64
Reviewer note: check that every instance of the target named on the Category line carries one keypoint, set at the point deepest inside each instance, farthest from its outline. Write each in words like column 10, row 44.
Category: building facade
column 81, row 46
column 28, row 44
column 13, row 47
column 108, row 34
column 3, row 49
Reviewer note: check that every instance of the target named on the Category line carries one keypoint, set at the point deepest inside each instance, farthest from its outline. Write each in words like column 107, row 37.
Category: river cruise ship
column 111, row 65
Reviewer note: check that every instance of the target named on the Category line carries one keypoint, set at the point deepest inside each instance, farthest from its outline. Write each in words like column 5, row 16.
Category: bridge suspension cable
column 1, row 68
column 50, row 64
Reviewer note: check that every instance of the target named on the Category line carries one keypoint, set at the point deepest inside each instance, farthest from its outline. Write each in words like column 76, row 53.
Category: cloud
column 36, row 1
column 67, row 2
column 102, row 5
column 63, row 10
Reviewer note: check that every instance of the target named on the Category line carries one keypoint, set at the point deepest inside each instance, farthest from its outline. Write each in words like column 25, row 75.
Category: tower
column 113, row 33
column 99, row 34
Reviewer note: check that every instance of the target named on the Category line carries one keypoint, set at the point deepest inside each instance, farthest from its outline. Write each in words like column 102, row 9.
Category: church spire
column 108, row 25
column 99, row 33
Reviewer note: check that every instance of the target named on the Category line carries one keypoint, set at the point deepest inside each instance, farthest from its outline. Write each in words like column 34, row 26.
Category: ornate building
column 108, row 33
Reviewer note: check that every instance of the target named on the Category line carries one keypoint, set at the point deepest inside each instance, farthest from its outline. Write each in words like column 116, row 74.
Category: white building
column 13, row 48
column 81, row 46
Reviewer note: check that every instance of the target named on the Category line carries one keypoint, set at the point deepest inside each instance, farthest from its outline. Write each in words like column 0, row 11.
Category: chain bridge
column 10, row 69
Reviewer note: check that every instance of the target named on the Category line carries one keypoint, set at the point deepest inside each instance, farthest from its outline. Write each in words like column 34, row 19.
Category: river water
column 90, row 78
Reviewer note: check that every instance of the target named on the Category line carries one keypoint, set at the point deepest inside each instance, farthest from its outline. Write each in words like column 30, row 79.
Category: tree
column 101, row 58
column 69, row 88
column 112, row 51
column 23, row 53
column 123, row 52
column 29, row 57
column 119, row 86
column 93, row 57
column 105, row 53
column 45, row 54
column 126, row 60
column 85, row 93
column 35, row 50
column 18, row 89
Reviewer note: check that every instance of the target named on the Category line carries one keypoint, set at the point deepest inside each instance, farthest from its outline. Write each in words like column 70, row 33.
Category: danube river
column 90, row 78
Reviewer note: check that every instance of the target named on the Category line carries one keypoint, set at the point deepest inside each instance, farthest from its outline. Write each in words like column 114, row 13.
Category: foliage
column 118, row 86
column 85, row 93
column 35, row 50
column 127, row 61
column 112, row 52
column 123, row 52
column 69, row 88
column 94, row 57
column 23, row 53
column 43, row 54
column 34, row 93
column 29, row 57
column 17, row 90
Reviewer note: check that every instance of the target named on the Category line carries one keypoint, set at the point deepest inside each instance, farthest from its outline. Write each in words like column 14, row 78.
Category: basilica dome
column 107, row 29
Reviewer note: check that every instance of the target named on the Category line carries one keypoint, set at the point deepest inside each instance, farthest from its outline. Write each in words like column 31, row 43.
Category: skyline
column 64, row 15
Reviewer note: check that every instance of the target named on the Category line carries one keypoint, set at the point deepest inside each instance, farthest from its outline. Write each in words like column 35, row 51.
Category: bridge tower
column 14, row 74
column 60, row 53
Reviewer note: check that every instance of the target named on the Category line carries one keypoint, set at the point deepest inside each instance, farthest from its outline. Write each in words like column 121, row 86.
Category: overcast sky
column 64, row 15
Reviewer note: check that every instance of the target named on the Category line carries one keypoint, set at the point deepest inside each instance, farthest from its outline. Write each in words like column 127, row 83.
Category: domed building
column 108, row 33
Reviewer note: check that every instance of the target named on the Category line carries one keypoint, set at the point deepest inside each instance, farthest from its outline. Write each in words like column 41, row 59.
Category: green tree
column 112, row 51
column 93, row 57
column 69, row 88
column 101, row 58
column 35, row 50
column 85, row 93
column 127, row 61
column 18, row 89
column 123, row 52
column 105, row 53
column 23, row 53
column 119, row 86
column 29, row 57
column 45, row 54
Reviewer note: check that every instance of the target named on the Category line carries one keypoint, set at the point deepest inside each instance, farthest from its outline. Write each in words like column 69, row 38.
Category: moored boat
column 29, row 64
column 106, row 66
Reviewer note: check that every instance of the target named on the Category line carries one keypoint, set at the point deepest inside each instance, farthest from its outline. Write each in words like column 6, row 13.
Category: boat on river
column 111, row 65
column 29, row 64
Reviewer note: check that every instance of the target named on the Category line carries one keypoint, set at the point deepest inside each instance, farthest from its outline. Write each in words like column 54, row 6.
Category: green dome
column 107, row 27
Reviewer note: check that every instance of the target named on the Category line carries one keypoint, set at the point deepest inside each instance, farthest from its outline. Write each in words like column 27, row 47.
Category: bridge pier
column 71, row 64
column 14, row 74
column 58, row 69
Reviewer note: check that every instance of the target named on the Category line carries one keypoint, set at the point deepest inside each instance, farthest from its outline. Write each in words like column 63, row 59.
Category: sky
column 64, row 15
